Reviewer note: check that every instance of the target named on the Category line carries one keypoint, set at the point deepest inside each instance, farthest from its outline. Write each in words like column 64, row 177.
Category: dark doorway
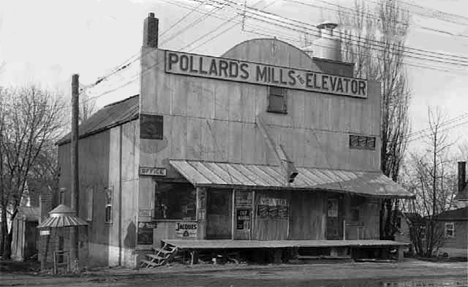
column 334, row 218
column 219, row 214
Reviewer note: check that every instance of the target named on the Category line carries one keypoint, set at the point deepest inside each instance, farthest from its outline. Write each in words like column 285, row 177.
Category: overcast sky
column 46, row 41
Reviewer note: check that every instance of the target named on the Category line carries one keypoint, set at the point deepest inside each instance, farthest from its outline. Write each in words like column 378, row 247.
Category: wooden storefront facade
column 263, row 143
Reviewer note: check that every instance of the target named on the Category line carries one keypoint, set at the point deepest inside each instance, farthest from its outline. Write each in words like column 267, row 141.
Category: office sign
column 152, row 171
column 256, row 73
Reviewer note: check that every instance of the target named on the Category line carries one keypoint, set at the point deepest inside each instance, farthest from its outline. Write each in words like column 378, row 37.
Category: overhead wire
column 289, row 38
column 126, row 65
column 414, row 52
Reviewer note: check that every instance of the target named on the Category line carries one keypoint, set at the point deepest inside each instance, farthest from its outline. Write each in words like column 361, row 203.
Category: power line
column 442, row 130
column 445, row 123
column 181, row 19
column 377, row 43
column 124, row 66
column 375, row 47
column 214, row 15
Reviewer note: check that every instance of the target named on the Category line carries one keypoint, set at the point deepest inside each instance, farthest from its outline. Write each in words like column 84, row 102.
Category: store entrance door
column 335, row 218
column 219, row 214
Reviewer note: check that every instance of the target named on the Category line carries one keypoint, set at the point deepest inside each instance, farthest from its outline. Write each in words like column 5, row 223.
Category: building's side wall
column 457, row 245
column 307, row 215
column 216, row 120
column 107, row 160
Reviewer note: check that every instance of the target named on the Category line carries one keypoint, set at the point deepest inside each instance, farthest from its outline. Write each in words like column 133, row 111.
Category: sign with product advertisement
column 243, row 219
column 256, row 73
column 187, row 230
column 273, row 208
column 145, row 233
column 244, row 198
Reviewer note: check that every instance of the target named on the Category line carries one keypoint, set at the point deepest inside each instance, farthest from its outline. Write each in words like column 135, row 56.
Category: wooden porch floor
column 241, row 244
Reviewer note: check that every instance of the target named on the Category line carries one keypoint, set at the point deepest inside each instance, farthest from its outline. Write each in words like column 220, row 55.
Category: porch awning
column 235, row 175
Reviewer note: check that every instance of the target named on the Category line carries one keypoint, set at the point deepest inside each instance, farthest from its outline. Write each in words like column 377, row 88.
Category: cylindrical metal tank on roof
column 328, row 46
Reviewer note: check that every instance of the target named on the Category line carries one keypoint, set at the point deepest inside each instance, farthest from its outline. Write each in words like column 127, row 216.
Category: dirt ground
column 407, row 273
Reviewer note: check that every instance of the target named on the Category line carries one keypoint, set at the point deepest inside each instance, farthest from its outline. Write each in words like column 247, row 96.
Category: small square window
column 449, row 229
column 277, row 100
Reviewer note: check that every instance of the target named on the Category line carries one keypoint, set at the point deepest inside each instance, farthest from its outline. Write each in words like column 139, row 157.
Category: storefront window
column 175, row 201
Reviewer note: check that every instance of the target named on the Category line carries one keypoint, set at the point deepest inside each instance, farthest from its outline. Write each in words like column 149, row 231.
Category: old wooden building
column 263, row 146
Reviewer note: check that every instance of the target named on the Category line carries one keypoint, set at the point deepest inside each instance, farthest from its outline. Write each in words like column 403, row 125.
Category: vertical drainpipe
column 120, row 195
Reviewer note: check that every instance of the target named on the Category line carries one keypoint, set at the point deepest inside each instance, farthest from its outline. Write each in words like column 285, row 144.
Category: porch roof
column 236, row 175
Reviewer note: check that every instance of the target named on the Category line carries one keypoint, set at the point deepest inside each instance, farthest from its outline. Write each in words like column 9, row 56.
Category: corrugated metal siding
column 107, row 117
column 266, row 176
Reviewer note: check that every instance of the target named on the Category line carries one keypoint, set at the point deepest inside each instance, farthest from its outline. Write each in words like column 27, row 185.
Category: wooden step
column 154, row 256
column 149, row 263
column 157, row 250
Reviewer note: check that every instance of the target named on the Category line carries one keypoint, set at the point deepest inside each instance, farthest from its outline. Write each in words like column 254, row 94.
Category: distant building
column 454, row 224
column 24, row 244
column 264, row 144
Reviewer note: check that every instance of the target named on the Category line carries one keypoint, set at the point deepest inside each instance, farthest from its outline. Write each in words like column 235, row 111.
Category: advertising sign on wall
column 273, row 208
column 244, row 198
column 145, row 232
column 256, row 73
column 186, row 230
column 243, row 219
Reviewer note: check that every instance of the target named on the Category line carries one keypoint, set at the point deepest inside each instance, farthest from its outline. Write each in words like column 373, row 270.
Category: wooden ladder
column 160, row 256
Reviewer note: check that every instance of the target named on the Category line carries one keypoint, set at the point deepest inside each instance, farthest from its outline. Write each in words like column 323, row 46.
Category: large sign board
column 256, row 73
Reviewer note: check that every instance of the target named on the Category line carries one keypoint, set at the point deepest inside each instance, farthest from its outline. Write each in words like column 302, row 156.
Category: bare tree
column 431, row 176
column 374, row 39
column 32, row 119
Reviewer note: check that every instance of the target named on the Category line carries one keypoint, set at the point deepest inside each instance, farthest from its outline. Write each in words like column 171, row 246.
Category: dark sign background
column 243, row 219
column 145, row 233
column 151, row 127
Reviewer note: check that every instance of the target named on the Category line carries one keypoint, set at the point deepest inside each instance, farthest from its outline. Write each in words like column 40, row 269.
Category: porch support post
column 201, row 212
column 400, row 253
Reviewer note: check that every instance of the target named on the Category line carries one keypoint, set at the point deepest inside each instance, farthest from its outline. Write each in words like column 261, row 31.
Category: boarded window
column 108, row 207
column 175, row 201
column 277, row 101
column 355, row 214
column 362, row 142
column 449, row 229
column 86, row 208
column 151, row 127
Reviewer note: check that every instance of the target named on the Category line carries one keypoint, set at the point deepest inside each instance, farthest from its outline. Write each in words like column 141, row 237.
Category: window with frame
column 175, row 201
column 362, row 142
column 449, row 229
column 277, row 100
column 108, row 207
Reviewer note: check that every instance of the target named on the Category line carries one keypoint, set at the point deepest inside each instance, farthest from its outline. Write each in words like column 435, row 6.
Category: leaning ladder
column 160, row 256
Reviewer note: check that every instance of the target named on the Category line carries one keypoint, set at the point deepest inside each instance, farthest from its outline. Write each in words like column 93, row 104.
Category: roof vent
column 327, row 46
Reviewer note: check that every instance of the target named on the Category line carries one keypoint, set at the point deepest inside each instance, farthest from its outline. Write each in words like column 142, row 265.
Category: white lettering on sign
column 154, row 171
column 186, row 229
column 273, row 201
column 44, row 232
column 255, row 73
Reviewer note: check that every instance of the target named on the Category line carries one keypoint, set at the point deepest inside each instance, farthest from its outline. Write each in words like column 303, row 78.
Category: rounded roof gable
column 272, row 52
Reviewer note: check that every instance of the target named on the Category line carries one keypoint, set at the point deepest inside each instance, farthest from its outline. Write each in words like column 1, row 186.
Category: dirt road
column 409, row 273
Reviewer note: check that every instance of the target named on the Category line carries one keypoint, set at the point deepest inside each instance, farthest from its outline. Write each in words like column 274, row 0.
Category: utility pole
column 75, row 192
